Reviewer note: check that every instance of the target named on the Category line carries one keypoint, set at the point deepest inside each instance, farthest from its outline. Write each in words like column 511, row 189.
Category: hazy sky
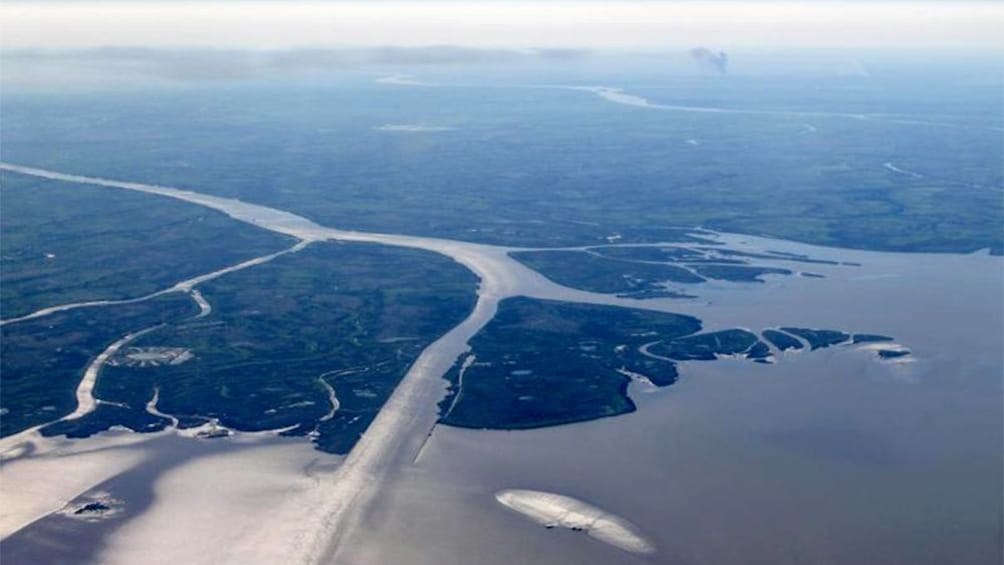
column 559, row 23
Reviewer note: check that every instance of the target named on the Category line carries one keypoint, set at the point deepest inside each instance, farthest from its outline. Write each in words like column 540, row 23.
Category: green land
column 646, row 271
column 819, row 339
column 43, row 360
column 68, row 242
column 781, row 340
column 542, row 363
column 588, row 271
column 708, row 346
column 282, row 333
column 550, row 167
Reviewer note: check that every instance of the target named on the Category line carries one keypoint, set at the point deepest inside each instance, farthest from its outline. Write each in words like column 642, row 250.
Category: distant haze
column 557, row 24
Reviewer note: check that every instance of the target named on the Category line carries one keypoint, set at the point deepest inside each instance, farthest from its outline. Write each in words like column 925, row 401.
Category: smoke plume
column 708, row 59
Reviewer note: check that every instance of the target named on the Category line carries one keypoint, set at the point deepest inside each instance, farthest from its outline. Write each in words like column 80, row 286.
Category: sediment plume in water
column 555, row 510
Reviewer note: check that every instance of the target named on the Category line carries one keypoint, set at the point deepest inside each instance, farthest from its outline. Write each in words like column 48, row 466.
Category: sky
column 630, row 24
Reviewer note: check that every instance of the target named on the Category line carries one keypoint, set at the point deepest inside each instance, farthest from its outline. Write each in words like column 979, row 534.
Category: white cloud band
column 630, row 24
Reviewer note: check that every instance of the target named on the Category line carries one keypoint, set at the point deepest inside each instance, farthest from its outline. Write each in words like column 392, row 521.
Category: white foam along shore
column 339, row 500
column 554, row 510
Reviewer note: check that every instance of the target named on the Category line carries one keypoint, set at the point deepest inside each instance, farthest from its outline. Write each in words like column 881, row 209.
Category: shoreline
column 401, row 426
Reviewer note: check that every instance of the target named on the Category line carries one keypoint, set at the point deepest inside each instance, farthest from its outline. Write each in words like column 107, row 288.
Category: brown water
column 825, row 457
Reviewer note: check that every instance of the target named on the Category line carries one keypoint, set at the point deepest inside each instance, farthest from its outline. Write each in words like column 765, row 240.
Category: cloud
column 40, row 67
column 553, row 24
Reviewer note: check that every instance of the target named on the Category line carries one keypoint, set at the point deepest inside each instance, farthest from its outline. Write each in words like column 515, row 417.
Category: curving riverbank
column 404, row 422
column 313, row 527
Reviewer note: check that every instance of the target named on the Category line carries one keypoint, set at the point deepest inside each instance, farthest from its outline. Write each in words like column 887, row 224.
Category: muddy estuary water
column 824, row 457
column 829, row 456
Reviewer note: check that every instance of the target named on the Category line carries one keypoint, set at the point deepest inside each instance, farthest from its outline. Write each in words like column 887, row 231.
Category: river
column 372, row 506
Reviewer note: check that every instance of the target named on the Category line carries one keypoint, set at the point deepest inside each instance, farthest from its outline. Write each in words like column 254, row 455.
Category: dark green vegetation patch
column 657, row 254
column 870, row 338
column 708, row 346
column 646, row 271
column 781, row 340
column 550, row 167
column 542, row 363
column 737, row 273
column 68, row 242
column 352, row 317
column 759, row 352
column 819, row 339
column 588, row 271
column 105, row 416
column 43, row 360
column 775, row 255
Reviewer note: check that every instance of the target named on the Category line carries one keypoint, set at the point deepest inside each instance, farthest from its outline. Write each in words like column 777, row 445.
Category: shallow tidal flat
column 824, row 456
column 168, row 497
column 819, row 450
